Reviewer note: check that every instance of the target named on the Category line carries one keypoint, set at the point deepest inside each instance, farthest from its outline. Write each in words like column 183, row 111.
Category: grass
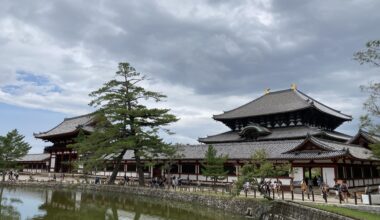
column 352, row 213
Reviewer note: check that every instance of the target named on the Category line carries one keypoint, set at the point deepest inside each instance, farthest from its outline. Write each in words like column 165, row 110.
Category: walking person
column 303, row 186
column 278, row 188
column 325, row 190
column 344, row 191
column 310, row 187
column 173, row 182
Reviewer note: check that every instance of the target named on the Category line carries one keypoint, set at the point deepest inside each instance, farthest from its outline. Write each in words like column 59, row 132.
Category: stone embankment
column 252, row 208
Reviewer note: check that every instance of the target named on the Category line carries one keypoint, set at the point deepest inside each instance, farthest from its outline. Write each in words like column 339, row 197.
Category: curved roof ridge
column 79, row 116
column 281, row 101
column 298, row 92
column 67, row 126
column 262, row 96
column 45, row 132
column 337, row 142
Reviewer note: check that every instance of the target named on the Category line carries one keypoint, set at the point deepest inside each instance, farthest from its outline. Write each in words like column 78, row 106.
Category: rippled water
column 35, row 203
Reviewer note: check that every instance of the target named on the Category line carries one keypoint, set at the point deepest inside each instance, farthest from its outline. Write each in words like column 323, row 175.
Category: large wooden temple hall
column 288, row 124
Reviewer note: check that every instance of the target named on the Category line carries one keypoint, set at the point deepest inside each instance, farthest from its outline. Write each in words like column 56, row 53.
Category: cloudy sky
column 207, row 56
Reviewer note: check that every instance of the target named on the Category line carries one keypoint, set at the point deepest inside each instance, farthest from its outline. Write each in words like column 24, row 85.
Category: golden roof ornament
column 267, row 91
column 293, row 86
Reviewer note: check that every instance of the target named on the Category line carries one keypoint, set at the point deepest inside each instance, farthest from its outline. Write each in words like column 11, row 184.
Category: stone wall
column 258, row 208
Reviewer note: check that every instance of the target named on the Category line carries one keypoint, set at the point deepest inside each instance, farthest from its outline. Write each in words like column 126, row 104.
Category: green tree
column 371, row 54
column 214, row 165
column 125, row 123
column 259, row 168
column 172, row 155
column 12, row 148
column 370, row 121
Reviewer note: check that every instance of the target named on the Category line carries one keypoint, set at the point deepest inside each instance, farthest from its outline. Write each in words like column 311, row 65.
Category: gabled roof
column 312, row 140
column 69, row 125
column 279, row 102
column 333, row 147
column 34, row 158
column 276, row 134
column 371, row 138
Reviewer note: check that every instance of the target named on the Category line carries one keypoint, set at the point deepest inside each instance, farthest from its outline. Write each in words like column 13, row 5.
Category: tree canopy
column 124, row 123
column 259, row 168
column 370, row 121
column 12, row 147
column 214, row 165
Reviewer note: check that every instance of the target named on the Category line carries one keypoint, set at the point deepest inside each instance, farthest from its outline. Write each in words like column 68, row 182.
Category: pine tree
column 124, row 123
column 214, row 165
column 12, row 148
column 370, row 121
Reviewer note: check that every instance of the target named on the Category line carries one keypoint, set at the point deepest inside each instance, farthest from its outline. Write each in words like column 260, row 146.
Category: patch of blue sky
column 55, row 89
column 37, row 80
column 11, row 89
column 31, row 77
column 29, row 121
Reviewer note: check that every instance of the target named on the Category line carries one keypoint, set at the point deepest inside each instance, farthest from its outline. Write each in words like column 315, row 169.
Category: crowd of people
column 12, row 175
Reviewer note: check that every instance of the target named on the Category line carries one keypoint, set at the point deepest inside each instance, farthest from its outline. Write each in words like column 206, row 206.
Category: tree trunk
column 139, row 168
column 116, row 168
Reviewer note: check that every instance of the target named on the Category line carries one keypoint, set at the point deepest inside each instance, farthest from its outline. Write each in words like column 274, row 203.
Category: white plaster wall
column 297, row 173
column 328, row 176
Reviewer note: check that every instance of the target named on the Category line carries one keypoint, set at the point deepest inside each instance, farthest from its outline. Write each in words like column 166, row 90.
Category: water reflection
column 32, row 203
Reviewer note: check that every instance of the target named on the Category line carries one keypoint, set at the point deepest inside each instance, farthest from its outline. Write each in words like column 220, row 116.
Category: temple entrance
column 312, row 174
column 157, row 171
column 64, row 163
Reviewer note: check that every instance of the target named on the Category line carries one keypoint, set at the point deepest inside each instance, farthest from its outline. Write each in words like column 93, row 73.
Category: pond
column 37, row 203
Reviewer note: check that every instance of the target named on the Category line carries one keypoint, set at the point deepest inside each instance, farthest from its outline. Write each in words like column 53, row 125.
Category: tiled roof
column 34, row 157
column 372, row 138
column 277, row 134
column 355, row 150
column 69, row 125
column 284, row 149
column 279, row 102
column 235, row 150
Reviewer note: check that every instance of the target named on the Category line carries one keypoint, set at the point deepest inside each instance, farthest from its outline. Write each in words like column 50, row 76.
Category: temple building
column 288, row 124
column 62, row 156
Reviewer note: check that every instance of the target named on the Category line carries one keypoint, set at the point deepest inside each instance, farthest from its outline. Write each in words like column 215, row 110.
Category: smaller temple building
column 288, row 125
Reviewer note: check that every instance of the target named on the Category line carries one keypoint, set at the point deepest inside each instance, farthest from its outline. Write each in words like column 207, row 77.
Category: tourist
column 246, row 187
column 126, row 179
column 174, row 181
column 97, row 180
column 325, row 189
column 278, row 188
column 319, row 182
column 268, row 187
column 303, row 186
column 310, row 185
column 10, row 175
column 344, row 191
column 16, row 175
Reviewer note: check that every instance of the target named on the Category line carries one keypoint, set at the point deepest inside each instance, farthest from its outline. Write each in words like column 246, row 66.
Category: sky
column 206, row 56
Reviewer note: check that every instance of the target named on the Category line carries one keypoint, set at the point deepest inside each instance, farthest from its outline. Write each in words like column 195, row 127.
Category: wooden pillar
column 60, row 165
column 69, row 170
column 53, row 162
column 179, row 170
column 352, row 173
column 370, row 167
column 362, row 169
column 197, row 171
